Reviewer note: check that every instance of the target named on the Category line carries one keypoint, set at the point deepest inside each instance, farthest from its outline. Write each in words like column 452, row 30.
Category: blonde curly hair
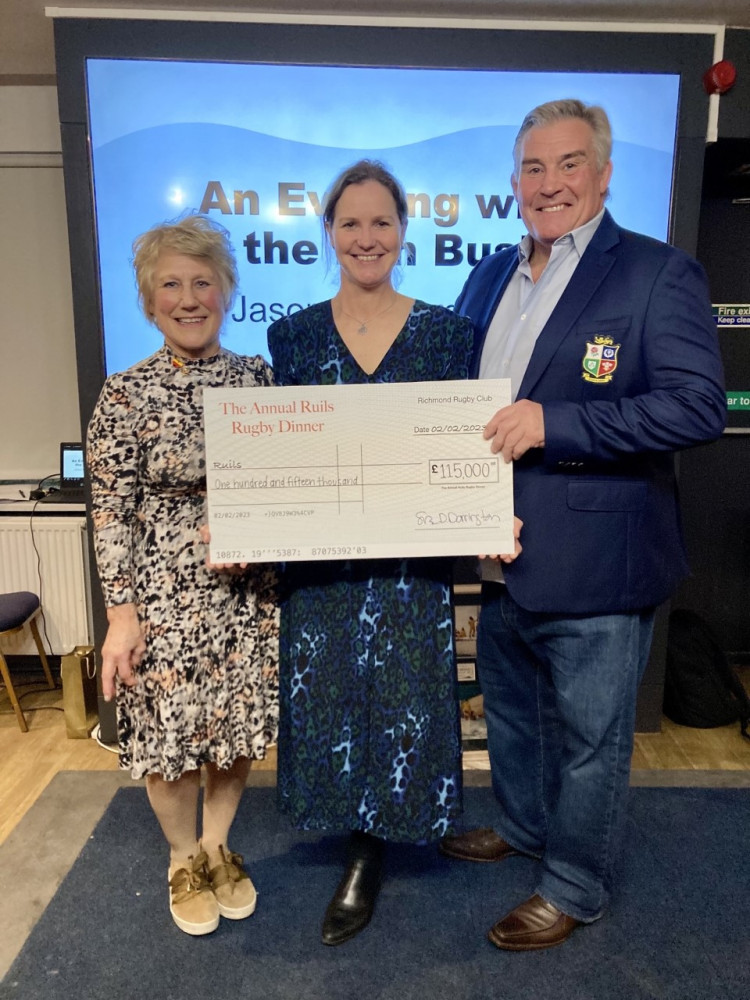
column 193, row 235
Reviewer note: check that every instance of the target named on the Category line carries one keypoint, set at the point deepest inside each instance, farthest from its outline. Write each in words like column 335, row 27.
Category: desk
column 44, row 549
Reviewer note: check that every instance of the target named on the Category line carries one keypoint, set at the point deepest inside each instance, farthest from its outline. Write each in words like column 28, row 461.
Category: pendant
column 362, row 330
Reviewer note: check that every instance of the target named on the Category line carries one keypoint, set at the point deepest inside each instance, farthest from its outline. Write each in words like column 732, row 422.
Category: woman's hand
column 123, row 648
column 508, row 557
column 235, row 568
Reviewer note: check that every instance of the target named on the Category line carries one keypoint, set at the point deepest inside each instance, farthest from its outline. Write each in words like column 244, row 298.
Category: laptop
column 71, row 475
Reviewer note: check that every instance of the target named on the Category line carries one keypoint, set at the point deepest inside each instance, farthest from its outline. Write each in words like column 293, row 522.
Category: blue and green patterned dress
column 369, row 734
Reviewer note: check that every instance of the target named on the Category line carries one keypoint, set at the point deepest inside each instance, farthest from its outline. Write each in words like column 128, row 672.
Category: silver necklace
column 362, row 328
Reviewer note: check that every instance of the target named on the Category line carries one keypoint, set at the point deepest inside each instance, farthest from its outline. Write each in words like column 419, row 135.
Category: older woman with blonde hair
column 190, row 653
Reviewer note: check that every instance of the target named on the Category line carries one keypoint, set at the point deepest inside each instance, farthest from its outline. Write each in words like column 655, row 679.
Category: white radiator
column 62, row 567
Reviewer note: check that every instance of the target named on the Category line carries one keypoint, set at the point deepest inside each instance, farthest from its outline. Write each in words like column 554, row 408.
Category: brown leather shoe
column 532, row 925
column 477, row 845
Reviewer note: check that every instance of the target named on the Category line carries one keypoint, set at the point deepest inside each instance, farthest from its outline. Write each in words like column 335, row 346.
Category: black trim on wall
column 734, row 107
column 76, row 39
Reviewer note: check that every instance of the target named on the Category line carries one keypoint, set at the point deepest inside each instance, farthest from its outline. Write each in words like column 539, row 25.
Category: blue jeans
column 559, row 698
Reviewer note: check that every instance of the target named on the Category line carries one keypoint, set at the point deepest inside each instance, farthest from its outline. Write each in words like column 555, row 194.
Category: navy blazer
column 627, row 370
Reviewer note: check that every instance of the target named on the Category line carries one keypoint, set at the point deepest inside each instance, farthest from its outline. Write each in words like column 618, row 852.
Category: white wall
column 38, row 382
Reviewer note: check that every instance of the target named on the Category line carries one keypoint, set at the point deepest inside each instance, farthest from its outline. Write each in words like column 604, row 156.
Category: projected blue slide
column 255, row 146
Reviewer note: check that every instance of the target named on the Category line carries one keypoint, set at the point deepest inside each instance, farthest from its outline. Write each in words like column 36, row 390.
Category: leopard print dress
column 207, row 688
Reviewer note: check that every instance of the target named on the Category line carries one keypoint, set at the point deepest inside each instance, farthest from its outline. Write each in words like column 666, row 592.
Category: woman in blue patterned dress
column 192, row 654
column 369, row 738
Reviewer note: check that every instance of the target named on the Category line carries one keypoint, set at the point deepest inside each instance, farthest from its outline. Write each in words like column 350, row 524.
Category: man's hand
column 516, row 428
column 508, row 557
column 123, row 648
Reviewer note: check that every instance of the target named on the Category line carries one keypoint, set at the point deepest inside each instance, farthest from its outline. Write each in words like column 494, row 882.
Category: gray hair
column 555, row 111
column 194, row 236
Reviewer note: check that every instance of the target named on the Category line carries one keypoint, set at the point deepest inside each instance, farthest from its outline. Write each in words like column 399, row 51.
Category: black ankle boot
column 353, row 902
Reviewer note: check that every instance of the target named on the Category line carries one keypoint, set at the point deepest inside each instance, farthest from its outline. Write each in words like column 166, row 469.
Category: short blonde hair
column 194, row 236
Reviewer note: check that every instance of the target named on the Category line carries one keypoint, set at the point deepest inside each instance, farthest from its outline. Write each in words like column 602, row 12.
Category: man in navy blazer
column 610, row 345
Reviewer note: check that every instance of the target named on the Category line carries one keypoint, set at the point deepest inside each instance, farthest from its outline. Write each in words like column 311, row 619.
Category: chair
column 17, row 610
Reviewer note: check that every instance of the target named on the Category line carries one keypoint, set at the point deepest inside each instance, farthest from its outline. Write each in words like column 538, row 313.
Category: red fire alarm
column 720, row 77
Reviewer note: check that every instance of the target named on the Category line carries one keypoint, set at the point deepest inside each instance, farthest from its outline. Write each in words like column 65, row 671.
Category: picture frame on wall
column 466, row 610
column 465, row 620
column 467, row 671
column 473, row 723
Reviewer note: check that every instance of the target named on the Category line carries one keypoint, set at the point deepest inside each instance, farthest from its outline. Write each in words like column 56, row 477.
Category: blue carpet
column 677, row 928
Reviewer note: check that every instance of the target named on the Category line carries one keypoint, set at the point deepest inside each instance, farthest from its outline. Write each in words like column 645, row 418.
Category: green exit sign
column 736, row 314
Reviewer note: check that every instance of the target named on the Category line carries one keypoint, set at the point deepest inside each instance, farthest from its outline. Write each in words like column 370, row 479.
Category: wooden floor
column 28, row 761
